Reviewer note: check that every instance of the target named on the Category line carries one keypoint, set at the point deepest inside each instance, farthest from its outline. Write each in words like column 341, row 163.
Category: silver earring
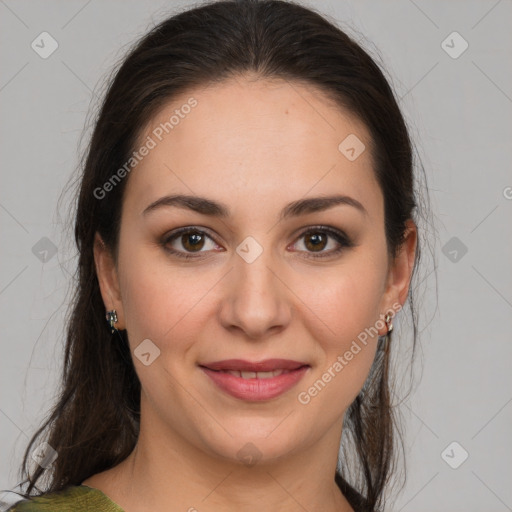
column 389, row 324
column 112, row 319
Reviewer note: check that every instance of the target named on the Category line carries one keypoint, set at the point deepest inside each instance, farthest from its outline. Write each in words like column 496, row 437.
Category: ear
column 400, row 271
column 108, row 279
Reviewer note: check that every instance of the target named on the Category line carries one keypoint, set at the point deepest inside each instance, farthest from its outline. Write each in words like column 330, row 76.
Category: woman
column 246, row 225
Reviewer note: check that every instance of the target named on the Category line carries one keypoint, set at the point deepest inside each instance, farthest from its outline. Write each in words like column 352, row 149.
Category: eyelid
column 343, row 240
column 337, row 234
column 175, row 234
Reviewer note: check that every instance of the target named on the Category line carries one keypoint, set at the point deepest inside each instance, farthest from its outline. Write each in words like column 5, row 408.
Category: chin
column 255, row 440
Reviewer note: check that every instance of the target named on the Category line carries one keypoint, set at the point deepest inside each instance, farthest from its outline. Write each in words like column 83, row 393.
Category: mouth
column 255, row 381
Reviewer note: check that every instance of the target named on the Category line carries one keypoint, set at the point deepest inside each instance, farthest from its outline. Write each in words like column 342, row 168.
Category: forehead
column 254, row 139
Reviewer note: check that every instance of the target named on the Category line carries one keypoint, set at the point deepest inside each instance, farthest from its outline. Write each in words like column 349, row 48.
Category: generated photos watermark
column 150, row 143
column 305, row 397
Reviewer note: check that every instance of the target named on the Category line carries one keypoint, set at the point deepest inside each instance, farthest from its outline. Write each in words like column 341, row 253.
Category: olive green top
column 82, row 498
column 74, row 498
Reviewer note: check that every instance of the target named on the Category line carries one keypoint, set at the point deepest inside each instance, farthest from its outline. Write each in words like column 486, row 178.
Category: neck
column 175, row 475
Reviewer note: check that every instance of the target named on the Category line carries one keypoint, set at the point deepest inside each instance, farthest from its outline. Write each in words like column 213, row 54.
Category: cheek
column 161, row 302
column 346, row 308
column 346, row 301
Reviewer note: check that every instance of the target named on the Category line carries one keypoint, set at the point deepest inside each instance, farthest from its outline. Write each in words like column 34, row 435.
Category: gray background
column 459, row 110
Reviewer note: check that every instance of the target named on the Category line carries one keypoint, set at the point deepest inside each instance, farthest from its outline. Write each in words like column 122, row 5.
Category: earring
column 389, row 324
column 112, row 319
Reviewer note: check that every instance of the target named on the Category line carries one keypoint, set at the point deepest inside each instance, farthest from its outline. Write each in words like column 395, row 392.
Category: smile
column 255, row 381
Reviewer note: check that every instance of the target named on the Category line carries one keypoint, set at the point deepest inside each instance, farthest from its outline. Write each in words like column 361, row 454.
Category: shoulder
column 75, row 498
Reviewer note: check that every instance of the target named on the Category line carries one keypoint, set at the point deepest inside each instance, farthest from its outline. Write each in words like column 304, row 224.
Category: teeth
column 255, row 375
column 264, row 375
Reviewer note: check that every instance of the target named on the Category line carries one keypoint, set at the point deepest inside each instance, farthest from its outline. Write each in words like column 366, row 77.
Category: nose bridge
column 254, row 271
column 257, row 299
column 256, row 281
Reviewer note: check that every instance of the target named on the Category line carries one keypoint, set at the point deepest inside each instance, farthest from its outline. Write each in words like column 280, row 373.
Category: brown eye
column 192, row 241
column 187, row 241
column 316, row 241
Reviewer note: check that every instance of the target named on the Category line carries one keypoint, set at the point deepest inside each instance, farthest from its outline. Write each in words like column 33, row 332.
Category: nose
column 256, row 300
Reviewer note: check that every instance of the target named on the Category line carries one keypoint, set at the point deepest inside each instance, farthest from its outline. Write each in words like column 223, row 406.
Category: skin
column 254, row 145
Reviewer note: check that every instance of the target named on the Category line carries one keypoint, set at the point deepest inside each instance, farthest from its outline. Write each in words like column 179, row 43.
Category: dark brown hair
column 94, row 423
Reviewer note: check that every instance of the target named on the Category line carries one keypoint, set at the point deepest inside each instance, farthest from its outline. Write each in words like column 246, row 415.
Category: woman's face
column 279, row 275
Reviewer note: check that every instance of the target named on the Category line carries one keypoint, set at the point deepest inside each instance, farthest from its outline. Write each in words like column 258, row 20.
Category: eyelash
column 339, row 236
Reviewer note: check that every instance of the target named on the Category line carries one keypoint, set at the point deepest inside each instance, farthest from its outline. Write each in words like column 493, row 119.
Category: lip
column 255, row 389
column 267, row 365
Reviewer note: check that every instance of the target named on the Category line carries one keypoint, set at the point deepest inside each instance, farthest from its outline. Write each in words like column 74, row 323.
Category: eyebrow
column 215, row 209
